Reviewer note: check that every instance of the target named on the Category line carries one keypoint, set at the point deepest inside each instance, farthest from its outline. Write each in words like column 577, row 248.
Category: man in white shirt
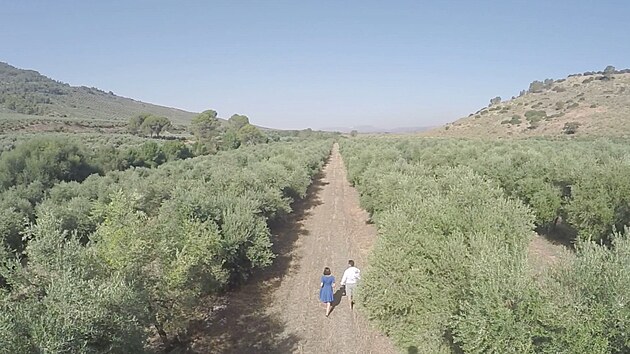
column 349, row 280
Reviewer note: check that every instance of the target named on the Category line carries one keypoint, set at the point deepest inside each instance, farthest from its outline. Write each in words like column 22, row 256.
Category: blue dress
column 326, row 292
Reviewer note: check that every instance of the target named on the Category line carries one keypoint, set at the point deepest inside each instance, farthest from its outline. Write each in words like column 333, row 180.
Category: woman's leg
column 327, row 309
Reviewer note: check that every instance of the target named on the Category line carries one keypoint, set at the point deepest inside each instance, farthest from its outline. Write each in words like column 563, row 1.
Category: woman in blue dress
column 326, row 290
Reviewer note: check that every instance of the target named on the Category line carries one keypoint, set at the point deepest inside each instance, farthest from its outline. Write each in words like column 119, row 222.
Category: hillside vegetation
column 593, row 103
column 26, row 94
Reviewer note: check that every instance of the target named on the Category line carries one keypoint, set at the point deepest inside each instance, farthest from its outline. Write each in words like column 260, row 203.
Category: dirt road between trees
column 278, row 311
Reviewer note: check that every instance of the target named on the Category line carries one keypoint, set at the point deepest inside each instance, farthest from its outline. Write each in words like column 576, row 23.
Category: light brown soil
column 278, row 310
column 544, row 253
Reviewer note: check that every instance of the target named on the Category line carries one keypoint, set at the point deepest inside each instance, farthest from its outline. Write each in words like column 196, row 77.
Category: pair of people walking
column 348, row 281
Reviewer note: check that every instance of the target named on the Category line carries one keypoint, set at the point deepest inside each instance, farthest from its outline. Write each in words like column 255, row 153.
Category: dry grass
column 601, row 107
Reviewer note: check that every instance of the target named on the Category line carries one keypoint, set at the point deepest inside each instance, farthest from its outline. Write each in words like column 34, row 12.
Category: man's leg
column 350, row 293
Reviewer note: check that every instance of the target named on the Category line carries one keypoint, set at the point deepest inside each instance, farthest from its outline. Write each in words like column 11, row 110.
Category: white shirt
column 351, row 276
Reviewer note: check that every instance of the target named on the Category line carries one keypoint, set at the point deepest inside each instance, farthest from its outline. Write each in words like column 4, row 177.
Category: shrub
column 516, row 119
column 573, row 105
column 534, row 116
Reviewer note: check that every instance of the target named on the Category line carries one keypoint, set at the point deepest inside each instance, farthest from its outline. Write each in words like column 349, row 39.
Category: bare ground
column 278, row 310
column 546, row 249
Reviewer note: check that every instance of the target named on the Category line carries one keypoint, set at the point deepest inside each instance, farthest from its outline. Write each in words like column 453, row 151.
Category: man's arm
column 343, row 279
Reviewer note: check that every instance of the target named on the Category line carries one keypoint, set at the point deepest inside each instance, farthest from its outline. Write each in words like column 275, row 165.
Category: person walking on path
column 349, row 280
column 326, row 290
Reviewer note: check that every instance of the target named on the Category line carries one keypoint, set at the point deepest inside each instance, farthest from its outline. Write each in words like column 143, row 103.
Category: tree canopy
column 153, row 125
column 205, row 126
column 250, row 135
column 147, row 124
column 238, row 121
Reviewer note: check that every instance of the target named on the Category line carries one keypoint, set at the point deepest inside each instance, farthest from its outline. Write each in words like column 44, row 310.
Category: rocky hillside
column 593, row 103
column 28, row 93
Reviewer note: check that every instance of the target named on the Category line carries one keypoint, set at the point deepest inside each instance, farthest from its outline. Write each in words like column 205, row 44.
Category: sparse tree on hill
column 495, row 101
column 609, row 71
column 136, row 122
column 536, row 86
column 154, row 125
column 354, row 133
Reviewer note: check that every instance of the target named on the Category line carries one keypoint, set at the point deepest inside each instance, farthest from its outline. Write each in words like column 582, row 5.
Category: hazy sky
column 298, row 64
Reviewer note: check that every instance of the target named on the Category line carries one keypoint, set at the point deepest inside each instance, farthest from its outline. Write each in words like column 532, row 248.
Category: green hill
column 26, row 95
column 593, row 103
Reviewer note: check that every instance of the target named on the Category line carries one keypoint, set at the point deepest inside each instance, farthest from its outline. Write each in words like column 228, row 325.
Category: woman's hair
column 326, row 271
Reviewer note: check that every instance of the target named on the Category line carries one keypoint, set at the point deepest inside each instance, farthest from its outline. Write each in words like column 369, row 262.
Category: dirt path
column 278, row 310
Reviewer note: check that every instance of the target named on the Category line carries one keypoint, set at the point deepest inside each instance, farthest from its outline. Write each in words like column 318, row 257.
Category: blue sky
column 298, row 64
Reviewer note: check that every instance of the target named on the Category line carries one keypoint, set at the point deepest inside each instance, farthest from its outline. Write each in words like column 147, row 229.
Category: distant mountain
column 27, row 92
column 365, row 129
column 592, row 103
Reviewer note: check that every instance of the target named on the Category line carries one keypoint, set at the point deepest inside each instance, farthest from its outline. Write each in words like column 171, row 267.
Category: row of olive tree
column 454, row 245
column 579, row 182
column 105, row 260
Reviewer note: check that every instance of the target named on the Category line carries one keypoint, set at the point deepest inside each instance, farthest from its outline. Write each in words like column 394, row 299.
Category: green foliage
column 238, row 121
column 115, row 255
column 153, row 125
column 534, row 116
column 438, row 228
column 135, row 123
column 597, row 285
column 458, row 241
column 148, row 124
column 45, row 160
column 230, row 139
column 250, row 135
column 64, row 301
column 205, row 126
column 176, row 150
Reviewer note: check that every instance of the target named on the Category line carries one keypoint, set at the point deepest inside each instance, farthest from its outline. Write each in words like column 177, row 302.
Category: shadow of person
column 336, row 299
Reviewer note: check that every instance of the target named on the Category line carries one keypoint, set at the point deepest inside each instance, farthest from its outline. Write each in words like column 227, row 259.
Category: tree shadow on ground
column 242, row 324
column 559, row 234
